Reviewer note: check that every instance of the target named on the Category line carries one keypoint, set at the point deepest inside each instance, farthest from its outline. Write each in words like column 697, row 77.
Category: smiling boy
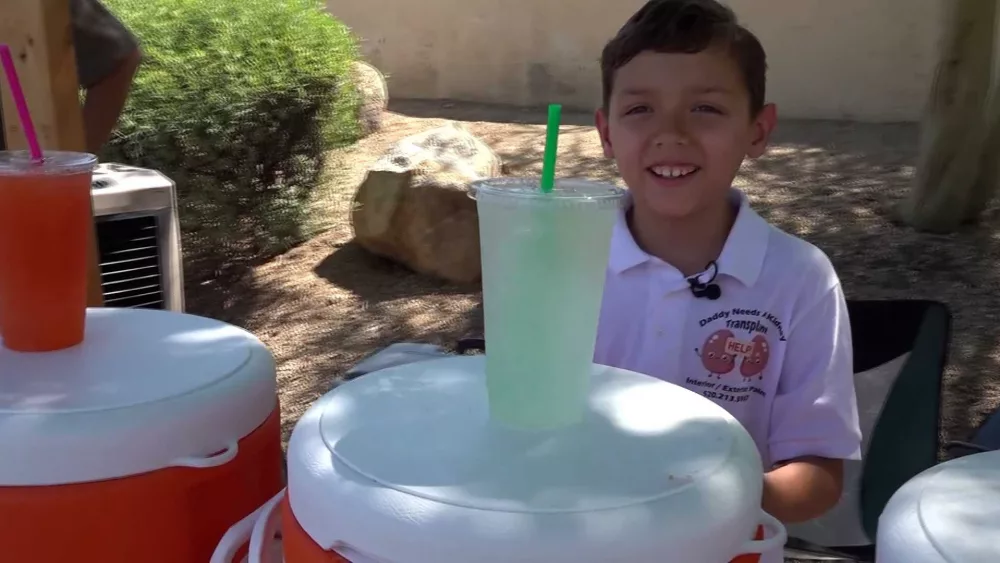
column 684, row 105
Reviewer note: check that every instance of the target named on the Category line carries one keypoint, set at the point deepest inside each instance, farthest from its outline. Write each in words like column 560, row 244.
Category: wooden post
column 41, row 39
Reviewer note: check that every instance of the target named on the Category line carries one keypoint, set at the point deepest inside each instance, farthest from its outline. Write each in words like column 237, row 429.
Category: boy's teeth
column 673, row 171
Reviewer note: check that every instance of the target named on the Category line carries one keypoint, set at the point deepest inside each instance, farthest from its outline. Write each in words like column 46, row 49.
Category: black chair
column 906, row 341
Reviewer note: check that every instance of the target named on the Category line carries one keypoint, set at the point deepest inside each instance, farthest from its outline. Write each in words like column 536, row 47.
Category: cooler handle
column 265, row 530
column 263, row 547
column 214, row 460
column 775, row 529
column 240, row 533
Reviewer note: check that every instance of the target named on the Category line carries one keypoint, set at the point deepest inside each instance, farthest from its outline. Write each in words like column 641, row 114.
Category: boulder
column 413, row 207
column 374, row 94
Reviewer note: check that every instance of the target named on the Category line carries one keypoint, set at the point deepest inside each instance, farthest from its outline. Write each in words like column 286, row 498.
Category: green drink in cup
column 544, row 255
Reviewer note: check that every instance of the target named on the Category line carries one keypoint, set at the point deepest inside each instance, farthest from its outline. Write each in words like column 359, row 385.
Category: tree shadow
column 375, row 279
column 233, row 299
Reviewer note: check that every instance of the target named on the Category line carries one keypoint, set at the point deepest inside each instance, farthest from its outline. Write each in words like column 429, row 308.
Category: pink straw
column 22, row 104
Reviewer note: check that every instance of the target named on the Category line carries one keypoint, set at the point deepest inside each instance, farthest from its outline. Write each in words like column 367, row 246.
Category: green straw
column 551, row 144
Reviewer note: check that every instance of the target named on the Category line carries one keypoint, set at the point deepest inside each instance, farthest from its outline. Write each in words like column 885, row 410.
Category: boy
column 763, row 329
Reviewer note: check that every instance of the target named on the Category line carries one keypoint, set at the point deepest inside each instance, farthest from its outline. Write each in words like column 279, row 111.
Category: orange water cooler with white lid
column 143, row 444
column 405, row 465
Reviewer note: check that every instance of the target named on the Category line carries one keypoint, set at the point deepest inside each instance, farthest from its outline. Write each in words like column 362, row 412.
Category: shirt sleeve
column 100, row 40
column 815, row 411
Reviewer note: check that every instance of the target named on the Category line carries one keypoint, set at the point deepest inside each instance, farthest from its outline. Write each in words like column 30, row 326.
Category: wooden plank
column 41, row 39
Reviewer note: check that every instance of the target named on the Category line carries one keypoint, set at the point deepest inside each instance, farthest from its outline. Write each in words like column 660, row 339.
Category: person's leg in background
column 107, row 58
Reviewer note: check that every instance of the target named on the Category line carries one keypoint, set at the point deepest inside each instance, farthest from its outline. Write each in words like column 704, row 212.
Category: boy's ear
column 763, row 125
column 601, row 122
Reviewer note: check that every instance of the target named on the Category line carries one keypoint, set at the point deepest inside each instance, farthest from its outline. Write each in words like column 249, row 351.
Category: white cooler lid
column 411, row 453
column 959, row 506
column 424, row 429
column 146, row 390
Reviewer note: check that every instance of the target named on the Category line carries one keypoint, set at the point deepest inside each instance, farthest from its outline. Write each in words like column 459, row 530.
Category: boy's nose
column 671, row 131
column 672, row 138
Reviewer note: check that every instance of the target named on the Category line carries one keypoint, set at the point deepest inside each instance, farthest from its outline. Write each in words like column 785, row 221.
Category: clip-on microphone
column 707, row 289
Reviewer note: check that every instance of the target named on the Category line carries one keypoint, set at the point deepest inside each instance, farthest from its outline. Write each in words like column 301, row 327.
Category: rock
column 413, row 207
column 374, row 93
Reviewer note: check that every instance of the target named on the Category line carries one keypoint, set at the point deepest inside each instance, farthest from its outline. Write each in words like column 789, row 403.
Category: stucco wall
column 867, row 60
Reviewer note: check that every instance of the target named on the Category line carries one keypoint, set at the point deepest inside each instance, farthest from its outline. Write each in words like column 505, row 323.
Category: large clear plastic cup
column 45, row 223
column 544, row 257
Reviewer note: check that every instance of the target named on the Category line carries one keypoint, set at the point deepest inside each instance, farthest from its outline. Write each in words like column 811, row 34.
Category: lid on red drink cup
column 53, row 162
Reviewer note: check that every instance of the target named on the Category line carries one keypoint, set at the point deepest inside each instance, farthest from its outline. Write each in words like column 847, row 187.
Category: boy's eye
column 637, row 109
column 707, row 109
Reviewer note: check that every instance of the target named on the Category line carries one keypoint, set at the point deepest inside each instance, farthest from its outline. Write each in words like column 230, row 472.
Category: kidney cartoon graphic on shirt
column 721, row 350
column 755, row 362
column 714, row 353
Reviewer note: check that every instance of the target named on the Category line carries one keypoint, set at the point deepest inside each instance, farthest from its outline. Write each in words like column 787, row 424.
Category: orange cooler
column 297, row 546
column 144, row 444
column 405, row 465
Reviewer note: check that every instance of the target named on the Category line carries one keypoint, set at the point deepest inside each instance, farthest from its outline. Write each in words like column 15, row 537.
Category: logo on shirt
column 722, row 350
column 735, row 353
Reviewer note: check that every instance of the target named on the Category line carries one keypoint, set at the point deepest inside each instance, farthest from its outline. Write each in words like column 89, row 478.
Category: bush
column 239, row 102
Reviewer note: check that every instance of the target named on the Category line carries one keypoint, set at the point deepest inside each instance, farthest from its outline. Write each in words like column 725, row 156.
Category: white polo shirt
column 774, row 350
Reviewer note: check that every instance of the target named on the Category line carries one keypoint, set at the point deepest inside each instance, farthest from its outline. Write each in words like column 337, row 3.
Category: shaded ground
column 326, row 304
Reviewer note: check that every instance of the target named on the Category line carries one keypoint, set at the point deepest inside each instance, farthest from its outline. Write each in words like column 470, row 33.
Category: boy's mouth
column 673, row 172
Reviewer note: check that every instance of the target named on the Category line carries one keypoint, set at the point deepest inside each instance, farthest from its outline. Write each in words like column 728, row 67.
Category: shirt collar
column 742, row 256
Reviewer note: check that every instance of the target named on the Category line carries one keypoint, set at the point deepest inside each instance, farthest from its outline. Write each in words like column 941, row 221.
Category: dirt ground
column 326, row 304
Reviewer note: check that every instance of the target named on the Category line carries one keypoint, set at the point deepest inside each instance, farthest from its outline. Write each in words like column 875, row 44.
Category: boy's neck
column 687, row 244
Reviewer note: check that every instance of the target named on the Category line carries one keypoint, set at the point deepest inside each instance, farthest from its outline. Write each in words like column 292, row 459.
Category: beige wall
column 842, row 59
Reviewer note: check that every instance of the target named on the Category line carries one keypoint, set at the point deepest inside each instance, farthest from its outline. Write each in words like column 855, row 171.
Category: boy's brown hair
column 687, row 26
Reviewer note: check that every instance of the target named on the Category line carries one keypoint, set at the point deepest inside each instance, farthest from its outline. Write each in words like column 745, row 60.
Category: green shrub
column 239, row 102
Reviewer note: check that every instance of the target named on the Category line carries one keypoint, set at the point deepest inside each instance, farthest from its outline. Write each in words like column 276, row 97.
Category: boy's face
column 679, row 126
